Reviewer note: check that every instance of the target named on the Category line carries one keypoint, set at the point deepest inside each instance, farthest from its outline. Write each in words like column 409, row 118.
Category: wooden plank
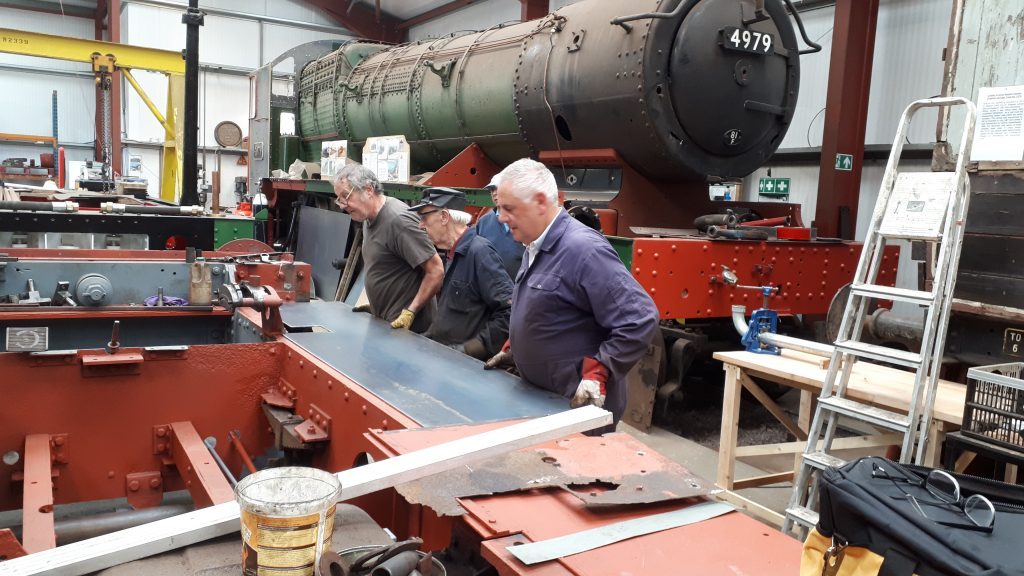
column 772, row 407
column 851, row 443
column 869, row 383
column 730, row 424
column 141, row 541
column 808, row 402
column 766, row 479
column 964, row 461
column 753, row 509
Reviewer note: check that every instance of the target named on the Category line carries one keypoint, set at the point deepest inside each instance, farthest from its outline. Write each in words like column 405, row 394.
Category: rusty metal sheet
column 589, row 468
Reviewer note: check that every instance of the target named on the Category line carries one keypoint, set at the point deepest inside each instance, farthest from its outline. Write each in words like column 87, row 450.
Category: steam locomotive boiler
column 635, row 106
column 688, row 90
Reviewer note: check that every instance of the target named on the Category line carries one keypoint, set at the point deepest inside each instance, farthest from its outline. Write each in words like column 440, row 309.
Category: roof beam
column 534, row 9
column 435, row 13
column 362, row 19
column 50, row 8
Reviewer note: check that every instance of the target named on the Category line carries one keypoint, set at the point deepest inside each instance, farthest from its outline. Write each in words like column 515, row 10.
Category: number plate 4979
column 1013, row 342
column 747, row 40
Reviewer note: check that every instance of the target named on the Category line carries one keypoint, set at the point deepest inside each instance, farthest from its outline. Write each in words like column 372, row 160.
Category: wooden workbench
column 880, row 386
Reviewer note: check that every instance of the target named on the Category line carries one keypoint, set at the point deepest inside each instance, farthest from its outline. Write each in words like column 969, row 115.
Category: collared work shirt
column 578, row 300
column 476, row 299
column 498, row 234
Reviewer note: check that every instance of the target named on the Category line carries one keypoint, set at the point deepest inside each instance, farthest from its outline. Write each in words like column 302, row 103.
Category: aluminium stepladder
column 929, row 207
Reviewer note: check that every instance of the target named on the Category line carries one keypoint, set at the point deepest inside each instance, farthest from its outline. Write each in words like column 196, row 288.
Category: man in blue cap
column 499, row 234
column 476, row 298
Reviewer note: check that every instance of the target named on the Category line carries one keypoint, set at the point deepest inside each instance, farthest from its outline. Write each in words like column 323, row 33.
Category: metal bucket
column 287, row 520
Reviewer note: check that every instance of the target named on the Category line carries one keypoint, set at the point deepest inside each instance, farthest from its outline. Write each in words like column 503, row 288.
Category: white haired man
column 580, row 321
column 476, row 298
column 403, row 270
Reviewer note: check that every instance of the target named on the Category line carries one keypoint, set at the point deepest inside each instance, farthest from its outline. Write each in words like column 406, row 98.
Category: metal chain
column 105, row 128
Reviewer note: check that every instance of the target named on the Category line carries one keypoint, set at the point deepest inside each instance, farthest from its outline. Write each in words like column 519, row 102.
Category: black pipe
column 30, row 206
column 183, row 210
column 193, row 19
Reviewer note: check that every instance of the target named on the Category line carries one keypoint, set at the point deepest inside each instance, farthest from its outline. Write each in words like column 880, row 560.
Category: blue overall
column 578, row 300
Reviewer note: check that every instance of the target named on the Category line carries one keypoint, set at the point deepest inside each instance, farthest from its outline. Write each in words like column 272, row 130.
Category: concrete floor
column 703, row 462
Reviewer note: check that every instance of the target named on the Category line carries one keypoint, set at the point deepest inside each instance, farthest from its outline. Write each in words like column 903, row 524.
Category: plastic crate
column 994, row 410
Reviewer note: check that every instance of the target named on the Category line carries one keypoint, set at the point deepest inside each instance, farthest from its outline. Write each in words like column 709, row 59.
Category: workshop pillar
column 846, row 112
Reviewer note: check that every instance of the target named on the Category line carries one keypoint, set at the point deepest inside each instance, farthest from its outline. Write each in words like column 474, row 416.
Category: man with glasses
column 403, row 270
column 476, row 298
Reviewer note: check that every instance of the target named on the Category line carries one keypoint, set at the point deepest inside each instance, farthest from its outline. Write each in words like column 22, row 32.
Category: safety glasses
column 946, row 492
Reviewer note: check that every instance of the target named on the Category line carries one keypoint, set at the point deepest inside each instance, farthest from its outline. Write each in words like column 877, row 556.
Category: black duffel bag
column 880, row 517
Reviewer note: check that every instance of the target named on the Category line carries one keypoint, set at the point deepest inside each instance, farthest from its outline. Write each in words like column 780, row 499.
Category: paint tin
column 287, row 520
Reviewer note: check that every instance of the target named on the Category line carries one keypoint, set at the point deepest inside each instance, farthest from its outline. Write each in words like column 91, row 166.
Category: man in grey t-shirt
column 403, row 269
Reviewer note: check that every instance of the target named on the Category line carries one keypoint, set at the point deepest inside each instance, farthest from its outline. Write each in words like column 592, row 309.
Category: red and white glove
column 591, row 389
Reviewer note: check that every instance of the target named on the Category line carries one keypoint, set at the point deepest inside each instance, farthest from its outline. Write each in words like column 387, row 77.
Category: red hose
column 778, row 221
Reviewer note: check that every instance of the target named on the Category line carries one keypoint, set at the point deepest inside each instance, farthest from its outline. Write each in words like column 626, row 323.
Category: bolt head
column 133, row 485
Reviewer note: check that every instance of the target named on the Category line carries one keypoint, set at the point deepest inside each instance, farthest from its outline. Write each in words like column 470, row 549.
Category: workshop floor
column 689, row 433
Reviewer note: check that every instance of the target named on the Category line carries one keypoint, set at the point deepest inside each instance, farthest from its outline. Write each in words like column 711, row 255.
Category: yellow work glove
column 362, row 308
column 404, row 320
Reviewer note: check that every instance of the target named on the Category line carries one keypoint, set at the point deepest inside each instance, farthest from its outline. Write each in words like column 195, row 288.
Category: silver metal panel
column 431, row 383
column 132, row 282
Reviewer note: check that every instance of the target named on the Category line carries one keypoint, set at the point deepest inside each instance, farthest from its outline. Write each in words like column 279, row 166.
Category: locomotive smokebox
column 689, row 89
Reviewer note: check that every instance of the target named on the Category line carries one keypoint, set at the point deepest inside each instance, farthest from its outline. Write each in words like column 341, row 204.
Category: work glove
column 592, row 385
column 404, row 320
column 474, row 348
column 502, row 359
column 362, row 308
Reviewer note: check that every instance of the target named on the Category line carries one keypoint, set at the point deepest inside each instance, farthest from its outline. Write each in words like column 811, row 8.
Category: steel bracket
column 9, row 546
column 119, row 364
column 282, row 396
column 162, row 439
column 59, row 448
column 283, row 423
column 577, row 40
column 144, row 489
column 316, row 427
column 442, row 69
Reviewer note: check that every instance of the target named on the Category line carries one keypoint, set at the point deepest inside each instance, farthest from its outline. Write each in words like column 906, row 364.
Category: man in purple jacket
column 580, row 321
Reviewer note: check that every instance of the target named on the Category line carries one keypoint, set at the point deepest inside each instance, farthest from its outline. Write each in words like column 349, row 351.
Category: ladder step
column 821, row 460
column 803, row 516
column 890, row 293
column 860, row 411
column 881, row 353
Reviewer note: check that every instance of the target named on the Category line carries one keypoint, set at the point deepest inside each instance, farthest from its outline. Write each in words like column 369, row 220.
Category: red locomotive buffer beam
column 684, row 276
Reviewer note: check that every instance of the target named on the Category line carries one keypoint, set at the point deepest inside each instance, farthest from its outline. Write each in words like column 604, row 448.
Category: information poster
column 999, row 130
column 387, row 157
column 332, row 158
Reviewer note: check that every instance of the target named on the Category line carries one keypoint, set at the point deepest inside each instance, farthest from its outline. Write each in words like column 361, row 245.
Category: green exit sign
column 773, row 187
column 844, row 162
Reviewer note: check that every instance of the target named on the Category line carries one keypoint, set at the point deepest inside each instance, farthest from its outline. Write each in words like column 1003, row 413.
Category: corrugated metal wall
column 907, row 65
column 236, row 43
column 28, row 89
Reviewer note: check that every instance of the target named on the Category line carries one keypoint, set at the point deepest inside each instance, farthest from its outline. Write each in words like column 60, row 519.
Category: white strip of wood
column 141, row 541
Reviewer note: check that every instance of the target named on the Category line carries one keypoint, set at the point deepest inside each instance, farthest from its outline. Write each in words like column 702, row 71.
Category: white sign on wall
column 999, row 130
